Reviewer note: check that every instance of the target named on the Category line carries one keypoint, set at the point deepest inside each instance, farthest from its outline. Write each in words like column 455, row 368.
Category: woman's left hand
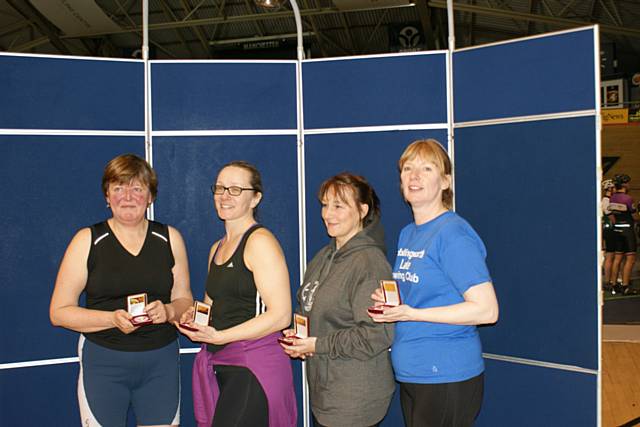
column 205, row 334
column 157, row 311
column 301, row 347
column 401, row 313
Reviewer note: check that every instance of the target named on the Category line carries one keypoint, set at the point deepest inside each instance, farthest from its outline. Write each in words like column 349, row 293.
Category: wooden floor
column 620, row 383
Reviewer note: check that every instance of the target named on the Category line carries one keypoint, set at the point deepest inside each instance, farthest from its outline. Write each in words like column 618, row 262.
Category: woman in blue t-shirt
column 446, row 290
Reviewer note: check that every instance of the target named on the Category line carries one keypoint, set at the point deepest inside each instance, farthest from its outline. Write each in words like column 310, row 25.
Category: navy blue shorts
column 111, row 381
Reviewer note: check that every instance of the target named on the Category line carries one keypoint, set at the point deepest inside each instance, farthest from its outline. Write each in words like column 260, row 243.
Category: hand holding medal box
column 301, row 328
column 201, row 315
column 391, row 293
column 135, row 307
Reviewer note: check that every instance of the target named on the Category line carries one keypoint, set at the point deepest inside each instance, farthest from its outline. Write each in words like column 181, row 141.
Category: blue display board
column 543, row 75
column 534, row 396
column 529, row 189
column 375, row 91
column 187, row 166
column 57, row 93
column 373, row 155
column 51, row 188
column 216, row 95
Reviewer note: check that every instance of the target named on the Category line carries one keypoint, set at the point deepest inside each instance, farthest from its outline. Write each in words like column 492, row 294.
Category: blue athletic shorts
column 110, row 381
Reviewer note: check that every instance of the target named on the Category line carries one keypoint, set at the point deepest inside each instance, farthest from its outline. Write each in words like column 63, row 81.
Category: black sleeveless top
column 114, row 273
column 233, row 291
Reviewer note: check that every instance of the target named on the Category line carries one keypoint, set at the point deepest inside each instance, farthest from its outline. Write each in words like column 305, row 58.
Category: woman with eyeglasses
column 123, row 363
column 241, row 376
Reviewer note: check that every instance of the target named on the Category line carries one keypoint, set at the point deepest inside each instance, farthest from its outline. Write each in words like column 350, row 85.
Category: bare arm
column 264, row 257
column 480, row 306
column 71, row 281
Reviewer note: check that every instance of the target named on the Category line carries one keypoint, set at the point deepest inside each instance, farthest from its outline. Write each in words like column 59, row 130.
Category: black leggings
column 242, row 401
column 442, row 405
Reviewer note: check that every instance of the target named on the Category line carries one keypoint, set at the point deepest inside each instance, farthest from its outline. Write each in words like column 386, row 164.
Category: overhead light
column 269, row 4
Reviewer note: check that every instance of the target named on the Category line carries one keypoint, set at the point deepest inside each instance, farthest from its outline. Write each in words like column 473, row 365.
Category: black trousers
column 242, row 401
column 442, row 405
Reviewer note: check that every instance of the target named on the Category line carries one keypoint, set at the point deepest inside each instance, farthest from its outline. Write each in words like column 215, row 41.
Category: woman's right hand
column 287, row 348
column 187, row 316
column 122, row 321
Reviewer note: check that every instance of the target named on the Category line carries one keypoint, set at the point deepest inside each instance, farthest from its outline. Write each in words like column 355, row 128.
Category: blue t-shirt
column 436, row 263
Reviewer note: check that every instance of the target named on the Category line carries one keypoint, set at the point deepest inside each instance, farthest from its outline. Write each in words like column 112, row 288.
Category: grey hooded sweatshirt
column 350, row 376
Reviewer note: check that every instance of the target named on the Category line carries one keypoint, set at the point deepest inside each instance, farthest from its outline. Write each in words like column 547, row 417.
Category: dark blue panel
column 529, row 189
column 375, row 91
column 537, row 76
column 53, row 390
column 187, row 417
column 531, row 396
column 45, row 395
column 373, row 155
column 51, row 188
column 188, row 166
column 196, row 96
column 54, row 93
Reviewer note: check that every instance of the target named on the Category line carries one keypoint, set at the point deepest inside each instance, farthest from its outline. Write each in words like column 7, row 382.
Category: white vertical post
column 148, row 148
column 302, row 244
column 450, row 117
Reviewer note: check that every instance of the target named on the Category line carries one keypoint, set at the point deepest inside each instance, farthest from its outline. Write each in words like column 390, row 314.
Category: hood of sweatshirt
column 371, row 235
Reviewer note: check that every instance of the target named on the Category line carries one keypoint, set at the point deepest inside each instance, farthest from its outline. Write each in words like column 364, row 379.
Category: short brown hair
column 362, row 191
column 432, row 151
column 127, row 167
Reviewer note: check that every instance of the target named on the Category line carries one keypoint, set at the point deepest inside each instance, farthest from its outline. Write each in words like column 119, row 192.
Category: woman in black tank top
column 109, row 261
column 248, row 288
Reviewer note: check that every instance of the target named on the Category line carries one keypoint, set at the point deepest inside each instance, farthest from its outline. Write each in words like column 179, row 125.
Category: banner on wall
column 615, row 116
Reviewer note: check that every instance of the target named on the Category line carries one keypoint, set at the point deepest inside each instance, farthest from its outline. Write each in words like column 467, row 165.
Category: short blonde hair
column 432, row 151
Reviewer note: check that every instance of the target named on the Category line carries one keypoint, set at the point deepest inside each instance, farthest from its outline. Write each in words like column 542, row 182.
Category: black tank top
column 233, row 291
column 114, row 273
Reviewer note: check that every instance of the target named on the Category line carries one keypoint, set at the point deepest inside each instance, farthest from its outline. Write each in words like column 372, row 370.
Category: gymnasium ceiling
column 205, row 29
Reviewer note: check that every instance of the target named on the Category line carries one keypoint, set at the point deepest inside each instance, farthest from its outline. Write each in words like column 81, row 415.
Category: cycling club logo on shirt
column 406, row 255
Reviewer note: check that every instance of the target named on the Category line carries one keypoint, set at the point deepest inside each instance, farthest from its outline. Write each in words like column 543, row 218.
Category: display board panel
column 534, row 396
column 187, row 167
column 378, row 91
column 529, row 189
column 542, row 75
column 51, row 188
column 375, row 156
column 43, row 395
column 68, row 93
column 227, row 96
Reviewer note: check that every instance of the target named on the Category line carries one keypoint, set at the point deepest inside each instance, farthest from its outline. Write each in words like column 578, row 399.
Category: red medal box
column 201, row 315
column 135, row 307
column 391, row 294
column 301, row 328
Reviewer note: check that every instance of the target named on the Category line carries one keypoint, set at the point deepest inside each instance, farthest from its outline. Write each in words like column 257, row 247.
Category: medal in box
column 391, row 293
column 135, row 307
column 300, row 327
column 201, row 315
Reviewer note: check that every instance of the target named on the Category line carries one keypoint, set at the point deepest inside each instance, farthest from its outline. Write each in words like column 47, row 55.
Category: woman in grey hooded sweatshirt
column 348, row 368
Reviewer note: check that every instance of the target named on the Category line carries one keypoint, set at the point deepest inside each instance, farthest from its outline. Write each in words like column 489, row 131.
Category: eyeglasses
column 234, row 190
